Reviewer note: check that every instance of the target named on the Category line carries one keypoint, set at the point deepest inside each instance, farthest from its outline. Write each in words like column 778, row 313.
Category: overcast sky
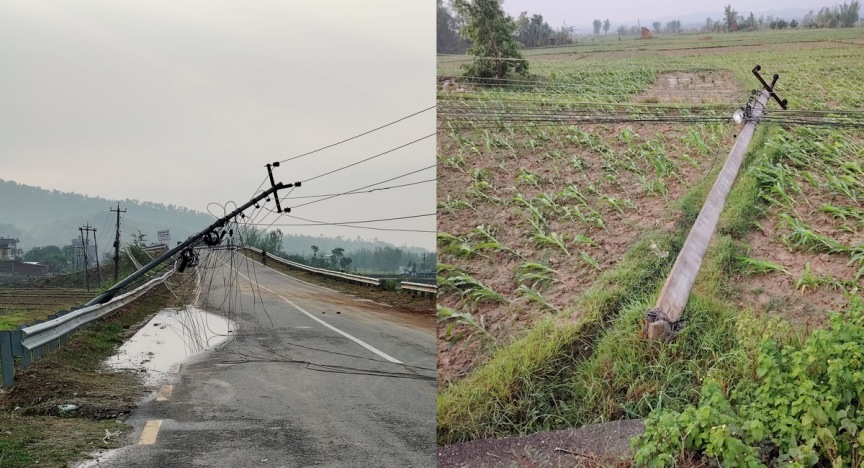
column 627, row 12
column 184, row 102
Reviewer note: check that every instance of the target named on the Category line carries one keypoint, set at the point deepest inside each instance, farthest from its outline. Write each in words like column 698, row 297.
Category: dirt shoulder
column 606, row 444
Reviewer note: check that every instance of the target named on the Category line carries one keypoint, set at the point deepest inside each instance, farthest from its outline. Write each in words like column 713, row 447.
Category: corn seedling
column 535, row 274
column 535, row 297
column 528, row 178
column 453, row 206
column 589, row 260
column 807, row 279
column 455, row 246
column 489, row 241
column 473, row 290
column 857, row 259
column 464, row 318
column 804, row 237
column 554, row 240
column 754, row 266
column 842, row 212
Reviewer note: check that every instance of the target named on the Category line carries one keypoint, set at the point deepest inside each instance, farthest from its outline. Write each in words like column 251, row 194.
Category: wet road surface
column 312, row 377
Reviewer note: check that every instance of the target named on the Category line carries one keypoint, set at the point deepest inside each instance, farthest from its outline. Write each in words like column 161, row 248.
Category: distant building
column 8, row 248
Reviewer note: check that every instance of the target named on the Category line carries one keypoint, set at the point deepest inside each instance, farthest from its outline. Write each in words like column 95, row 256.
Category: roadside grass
column 590, row 363
column 32, row 431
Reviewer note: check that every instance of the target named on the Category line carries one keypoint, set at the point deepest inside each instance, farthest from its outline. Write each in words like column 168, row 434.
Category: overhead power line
column 358, row 135
column 369, row 158
column 365, row 186
column 364, row 191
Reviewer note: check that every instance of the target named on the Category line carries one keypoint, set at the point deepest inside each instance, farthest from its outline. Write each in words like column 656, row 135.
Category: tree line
column 380, row 258
column 527, row 30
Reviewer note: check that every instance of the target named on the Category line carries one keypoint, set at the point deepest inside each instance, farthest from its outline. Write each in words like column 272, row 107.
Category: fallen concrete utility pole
column 662, row 321
column 209, row 236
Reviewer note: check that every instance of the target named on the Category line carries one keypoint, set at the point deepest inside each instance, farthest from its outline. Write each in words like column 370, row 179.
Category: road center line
column 356, row 340
column 165, row 392
column 150, row 432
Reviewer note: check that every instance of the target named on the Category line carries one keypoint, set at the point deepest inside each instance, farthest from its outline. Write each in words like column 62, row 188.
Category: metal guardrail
column 31, row 342
column 420, row 288
column 364, row 280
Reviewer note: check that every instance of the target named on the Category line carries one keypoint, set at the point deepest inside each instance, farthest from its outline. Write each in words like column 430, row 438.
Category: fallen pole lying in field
column 665, row 318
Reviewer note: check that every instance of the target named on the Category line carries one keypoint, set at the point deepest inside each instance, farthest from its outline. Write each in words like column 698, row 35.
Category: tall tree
column 606, row 26
column 533, row 31
column 658, row 27
column 448, row 40
column 731, row 17
column 490, row 31
column 597, row 25
column 848, row 14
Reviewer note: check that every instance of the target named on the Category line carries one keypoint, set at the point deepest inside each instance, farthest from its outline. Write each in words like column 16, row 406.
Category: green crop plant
column 754, row 266
column 856, row 259
column 457, row 161
column 455, row 246
column 453, row 206
column 535, row 274
column 618, row 203
column 528, row 178
column 807, row 279
column 489, row 241
column 472, row 290
column 804, row 237
column 590, row 218
column 537, row 217
column 553, row 239
column 445, row 314
column 572, row 192
column 535, row 297
column 589, row 260
column 842, row 212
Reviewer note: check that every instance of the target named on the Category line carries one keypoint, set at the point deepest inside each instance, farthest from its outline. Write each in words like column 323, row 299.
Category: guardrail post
column 26, row 354
column 6, row 361
column 17, row 349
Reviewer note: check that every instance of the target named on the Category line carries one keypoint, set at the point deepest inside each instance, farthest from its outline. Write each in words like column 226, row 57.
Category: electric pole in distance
column 84, row 248
column 117, row 242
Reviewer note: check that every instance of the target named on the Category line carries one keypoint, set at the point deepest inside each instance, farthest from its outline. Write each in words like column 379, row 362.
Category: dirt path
column 606, row 444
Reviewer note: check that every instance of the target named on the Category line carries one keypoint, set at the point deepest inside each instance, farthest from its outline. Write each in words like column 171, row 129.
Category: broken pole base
column 657, row 328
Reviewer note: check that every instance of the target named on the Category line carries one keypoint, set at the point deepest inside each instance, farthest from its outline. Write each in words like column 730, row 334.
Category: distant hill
column 39, row 217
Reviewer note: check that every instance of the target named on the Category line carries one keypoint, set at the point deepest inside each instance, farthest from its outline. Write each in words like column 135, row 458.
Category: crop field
column 23, row 306
column 564, row 197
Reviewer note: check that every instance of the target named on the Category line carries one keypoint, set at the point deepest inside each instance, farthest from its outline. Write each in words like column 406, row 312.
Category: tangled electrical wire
column 226, row 278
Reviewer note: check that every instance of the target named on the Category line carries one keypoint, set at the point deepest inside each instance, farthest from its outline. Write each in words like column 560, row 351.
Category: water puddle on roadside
column 169, row 338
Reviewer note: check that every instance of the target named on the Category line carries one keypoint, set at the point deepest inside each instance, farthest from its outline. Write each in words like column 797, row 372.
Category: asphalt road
column 365, row 398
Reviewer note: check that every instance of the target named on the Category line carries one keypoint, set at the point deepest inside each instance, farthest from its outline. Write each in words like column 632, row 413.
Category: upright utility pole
column 84, row 249
column 117, row 242
column 96, row 251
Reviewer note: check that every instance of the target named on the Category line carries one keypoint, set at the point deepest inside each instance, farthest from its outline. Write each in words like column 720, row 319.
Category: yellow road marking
column 165, row 392
column 150, row 432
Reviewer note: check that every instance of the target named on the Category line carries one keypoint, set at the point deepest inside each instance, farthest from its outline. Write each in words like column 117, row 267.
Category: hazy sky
column 184, row 102
column 627, row 12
